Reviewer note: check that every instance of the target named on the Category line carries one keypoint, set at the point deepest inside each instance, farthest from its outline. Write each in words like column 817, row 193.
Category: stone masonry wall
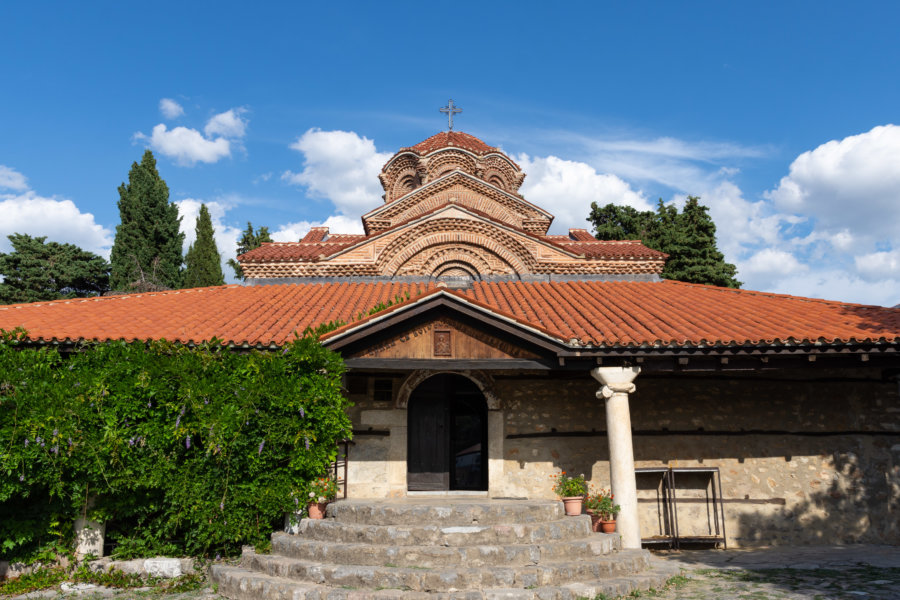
column 802, row 461
column 834, row 478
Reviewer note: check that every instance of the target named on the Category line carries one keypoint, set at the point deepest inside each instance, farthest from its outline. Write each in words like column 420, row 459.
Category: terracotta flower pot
column 595, row 521
column 573, row 505
column 608, row 526
column 317, row 510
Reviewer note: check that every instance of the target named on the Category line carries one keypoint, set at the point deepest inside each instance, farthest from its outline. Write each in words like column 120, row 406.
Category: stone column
column 617, row 384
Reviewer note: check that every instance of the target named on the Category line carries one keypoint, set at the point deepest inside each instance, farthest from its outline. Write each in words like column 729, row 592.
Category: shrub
column 178, row 449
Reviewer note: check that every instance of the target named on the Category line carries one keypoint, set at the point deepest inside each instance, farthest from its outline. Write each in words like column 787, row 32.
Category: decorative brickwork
column 452, row 209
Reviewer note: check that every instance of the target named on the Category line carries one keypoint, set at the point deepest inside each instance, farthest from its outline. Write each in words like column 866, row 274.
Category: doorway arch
column 447, row 437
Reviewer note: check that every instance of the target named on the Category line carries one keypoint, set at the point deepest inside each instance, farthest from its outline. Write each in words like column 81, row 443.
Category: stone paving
column 786, row 573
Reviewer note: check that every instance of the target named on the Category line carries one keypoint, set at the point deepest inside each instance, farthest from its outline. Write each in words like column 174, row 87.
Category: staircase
column 442, row 548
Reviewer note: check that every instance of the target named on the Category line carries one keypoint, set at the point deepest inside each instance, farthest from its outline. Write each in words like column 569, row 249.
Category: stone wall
column 805, row 457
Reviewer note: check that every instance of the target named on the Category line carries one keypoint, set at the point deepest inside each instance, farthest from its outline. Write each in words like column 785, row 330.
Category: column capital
column 615, row 380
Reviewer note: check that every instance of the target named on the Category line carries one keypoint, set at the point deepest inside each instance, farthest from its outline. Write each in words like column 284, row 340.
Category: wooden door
column 447, row 435
column 428, row 440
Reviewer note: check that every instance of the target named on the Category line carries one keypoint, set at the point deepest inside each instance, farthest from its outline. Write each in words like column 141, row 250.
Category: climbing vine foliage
column 193, row 450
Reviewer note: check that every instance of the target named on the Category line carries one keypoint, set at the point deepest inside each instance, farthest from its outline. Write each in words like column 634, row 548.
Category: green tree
column 148, row 245
column 688, row 237
column 249, row 240
column 694, row 255
column 36, row 271
column 612, row 222
column 203, row 265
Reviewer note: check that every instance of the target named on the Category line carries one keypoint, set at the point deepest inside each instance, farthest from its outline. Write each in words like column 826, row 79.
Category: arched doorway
column 447, row 435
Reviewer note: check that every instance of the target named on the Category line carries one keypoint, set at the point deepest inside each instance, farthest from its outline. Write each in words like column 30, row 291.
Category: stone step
column 447, row 579
column 433, row 556
column 331, row 530
column 654, row 577
column 445, row 512
column 241, row 584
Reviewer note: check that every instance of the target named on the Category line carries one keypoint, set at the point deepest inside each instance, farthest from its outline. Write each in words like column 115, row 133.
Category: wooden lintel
column 446, row 364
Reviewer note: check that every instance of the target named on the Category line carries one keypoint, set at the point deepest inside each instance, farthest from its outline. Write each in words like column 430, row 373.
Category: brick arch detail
column 438, row 257
column 499, row 166
column 449, row 160
column 463, row 232
column 482, row 379
column 406, row 165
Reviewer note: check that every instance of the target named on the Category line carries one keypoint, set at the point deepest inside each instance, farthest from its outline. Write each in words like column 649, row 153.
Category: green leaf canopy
column 37, row 270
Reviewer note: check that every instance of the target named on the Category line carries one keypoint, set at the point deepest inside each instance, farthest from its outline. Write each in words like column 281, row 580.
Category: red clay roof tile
column 593, row 312
column 445, row 139
column 300, row 251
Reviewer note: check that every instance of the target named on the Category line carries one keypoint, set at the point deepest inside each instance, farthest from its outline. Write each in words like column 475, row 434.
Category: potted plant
column 321, row 491
column 603, row 511
column 571, row 490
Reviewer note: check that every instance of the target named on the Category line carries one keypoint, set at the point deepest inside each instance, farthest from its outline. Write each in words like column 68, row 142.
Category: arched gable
column 481, row 237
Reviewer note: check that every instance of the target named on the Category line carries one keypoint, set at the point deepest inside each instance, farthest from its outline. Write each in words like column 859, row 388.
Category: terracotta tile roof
column 303, row 250
column 234, row 313
column 445, row 139
column 669, row 312
column 592, row 312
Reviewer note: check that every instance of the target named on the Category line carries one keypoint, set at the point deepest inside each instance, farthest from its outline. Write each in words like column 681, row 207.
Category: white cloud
column 10, row 179
column 228, row 124
column 226, row 236
column 170, row 109
column 853, row 183
column 293, row 232
column 879, row 265
column 675, row 148
column 342, row 167
column 566, row 188
column 186, row 146
column 741, row 225
column 767, row 268
column 771, row 261
column 841, row 285
column 60, row 220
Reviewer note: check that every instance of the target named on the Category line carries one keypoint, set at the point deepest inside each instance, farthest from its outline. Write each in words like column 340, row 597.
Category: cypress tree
column 146, row 253
column 689, row 238
column 693, row 253
column 249, row 240
column 203, row 261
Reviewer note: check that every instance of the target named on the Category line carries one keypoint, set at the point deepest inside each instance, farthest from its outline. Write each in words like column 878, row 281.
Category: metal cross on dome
column 451, row 110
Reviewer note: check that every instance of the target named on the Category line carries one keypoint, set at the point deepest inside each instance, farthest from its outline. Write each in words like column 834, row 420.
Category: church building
column 507, row 354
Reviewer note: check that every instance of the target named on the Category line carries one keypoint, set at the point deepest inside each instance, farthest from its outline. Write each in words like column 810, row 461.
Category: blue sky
column 779, row 115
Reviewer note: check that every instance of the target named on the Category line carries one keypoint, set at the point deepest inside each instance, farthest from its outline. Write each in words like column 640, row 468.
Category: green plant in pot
column 321, row 491
column 603, row 510
column 571, row 490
